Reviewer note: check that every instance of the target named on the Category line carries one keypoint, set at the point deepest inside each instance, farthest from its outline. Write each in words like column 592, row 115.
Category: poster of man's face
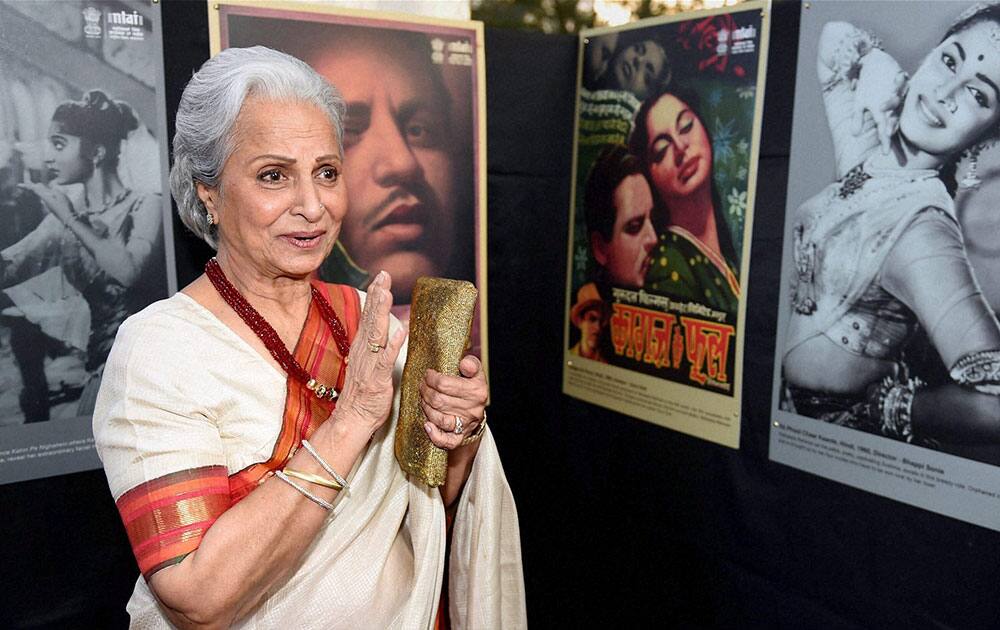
column 411, row 131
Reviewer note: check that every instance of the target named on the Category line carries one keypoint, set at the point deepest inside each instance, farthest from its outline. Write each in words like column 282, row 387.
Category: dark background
column 622, row 522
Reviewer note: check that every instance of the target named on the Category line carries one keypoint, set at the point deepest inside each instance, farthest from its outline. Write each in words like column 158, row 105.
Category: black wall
column 622, row 522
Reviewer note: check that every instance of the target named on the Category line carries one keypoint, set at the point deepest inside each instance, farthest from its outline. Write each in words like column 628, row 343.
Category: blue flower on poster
column 724, row 134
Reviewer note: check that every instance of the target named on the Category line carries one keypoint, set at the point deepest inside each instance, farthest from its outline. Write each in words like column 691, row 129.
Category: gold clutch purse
column 440, row 322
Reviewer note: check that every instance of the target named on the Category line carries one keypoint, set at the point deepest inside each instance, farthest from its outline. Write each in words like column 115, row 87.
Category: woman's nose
column 680, row 150
column 310, row 205
column 945, row 94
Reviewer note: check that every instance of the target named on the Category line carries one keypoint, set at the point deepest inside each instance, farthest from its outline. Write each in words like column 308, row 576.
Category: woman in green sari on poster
column 694, row 258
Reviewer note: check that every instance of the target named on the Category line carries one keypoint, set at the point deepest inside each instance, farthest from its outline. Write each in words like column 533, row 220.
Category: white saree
column 181, row 385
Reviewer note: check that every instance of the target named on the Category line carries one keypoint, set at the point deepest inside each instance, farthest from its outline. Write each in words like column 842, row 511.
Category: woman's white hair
column 210, row 104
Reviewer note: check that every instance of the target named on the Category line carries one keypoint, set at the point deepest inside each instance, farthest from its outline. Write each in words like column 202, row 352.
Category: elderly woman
column 209, row 395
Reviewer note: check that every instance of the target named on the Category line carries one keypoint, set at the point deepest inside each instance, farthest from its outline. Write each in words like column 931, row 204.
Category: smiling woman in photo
column 879, row 253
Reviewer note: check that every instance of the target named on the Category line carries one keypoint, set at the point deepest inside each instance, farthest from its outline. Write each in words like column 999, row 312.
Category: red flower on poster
column 710, row 40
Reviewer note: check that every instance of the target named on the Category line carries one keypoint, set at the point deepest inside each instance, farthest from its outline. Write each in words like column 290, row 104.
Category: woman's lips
column 688, row 169
column 304, row 240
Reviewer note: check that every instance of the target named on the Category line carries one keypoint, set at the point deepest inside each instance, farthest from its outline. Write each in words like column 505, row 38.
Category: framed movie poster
column 888, row 344
column 414, row 137
column 667, row 132
column 85, row 228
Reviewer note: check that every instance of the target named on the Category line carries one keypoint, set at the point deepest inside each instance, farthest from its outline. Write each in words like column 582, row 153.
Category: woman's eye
column 634, row 226
column 270, row 177
column 659, row 149
column 686, row 125
column 980, row 97
column 948, row 61
column 329, row 174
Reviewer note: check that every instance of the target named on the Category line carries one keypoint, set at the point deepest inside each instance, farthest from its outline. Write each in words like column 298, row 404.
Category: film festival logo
column 92, row 18
column 125, row 25
column 120, row 24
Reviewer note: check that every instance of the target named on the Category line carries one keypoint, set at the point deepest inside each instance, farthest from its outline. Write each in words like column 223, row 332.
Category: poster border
column 400, row 21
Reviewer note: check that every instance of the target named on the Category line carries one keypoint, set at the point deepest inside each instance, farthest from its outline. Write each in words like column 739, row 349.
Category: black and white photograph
column 84, row 223
column 887, row 371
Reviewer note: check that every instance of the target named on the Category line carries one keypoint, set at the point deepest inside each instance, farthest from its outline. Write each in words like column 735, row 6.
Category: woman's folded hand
column 366, row 398
column 447, row 399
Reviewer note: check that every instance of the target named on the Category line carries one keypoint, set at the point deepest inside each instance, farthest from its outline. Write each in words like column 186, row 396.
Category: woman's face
column 626, row 257
column 281, row 198
column 63, row 157
column 679, row 152
column 639, row 67
column 953, row 96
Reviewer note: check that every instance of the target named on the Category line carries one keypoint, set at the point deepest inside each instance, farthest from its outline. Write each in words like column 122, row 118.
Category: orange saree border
column 167, row 517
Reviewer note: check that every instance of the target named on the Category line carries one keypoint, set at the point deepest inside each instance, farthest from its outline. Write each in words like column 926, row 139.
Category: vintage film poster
column 85, row 227
column 667, row 132
column 414, row 137
column 886, row 358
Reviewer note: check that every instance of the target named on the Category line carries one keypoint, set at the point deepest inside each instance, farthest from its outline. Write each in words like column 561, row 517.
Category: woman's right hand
column 366, row 398
column 53, row 200
column 879, row 90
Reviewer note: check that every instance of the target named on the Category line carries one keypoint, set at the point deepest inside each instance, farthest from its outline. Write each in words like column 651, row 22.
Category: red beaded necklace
column 267, row 334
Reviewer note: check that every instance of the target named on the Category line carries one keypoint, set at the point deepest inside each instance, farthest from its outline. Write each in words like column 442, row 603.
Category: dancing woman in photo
column 879, row 252
column 101, row 246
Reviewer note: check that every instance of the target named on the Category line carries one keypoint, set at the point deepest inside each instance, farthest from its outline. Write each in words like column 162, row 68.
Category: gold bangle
column 316, row 479
column 478, row 433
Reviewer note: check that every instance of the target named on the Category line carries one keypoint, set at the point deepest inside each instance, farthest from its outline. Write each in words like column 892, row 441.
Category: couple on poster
column 664, row 130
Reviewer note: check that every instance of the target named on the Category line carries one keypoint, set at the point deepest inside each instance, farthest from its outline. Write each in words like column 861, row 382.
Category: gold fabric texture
column 440, row 323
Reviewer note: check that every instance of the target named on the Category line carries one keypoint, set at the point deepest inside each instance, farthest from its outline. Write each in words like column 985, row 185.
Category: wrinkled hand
column 443, row 397
column 879, row 90
column 55, row 201
column 366, row 398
